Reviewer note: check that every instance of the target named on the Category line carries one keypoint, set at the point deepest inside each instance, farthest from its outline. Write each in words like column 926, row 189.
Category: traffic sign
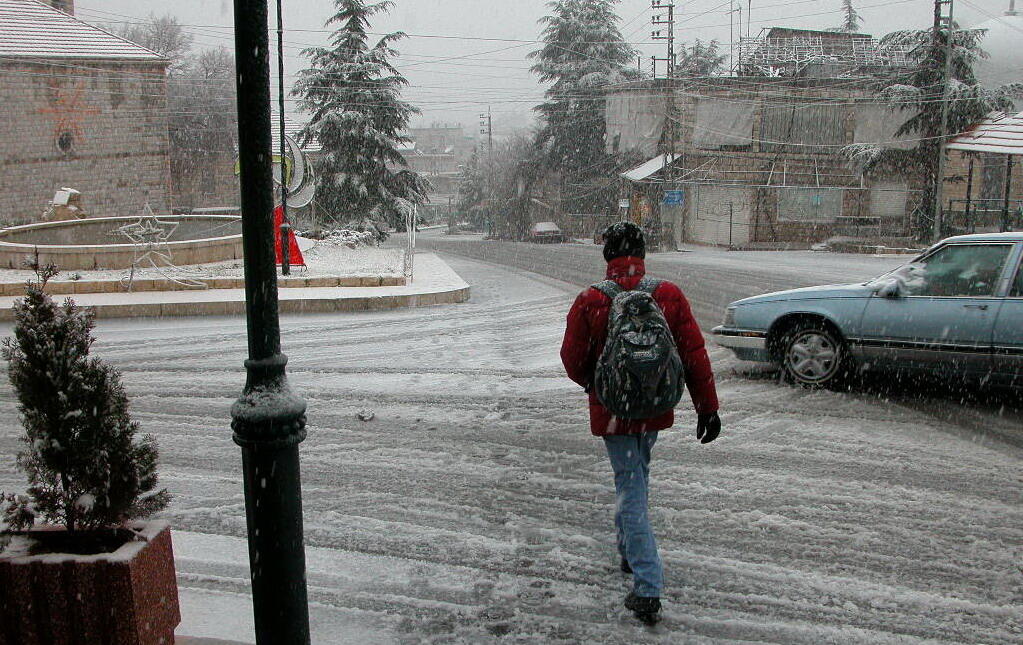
column 674, row 197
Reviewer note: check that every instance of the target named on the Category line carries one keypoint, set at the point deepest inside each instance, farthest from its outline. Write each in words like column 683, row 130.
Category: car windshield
column 900, row 271
column 950, row 270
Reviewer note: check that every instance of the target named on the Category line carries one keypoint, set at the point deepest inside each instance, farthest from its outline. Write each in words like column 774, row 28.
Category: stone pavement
column 434, row 283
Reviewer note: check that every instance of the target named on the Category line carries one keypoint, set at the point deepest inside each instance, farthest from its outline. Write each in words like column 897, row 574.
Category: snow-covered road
column 476, row 503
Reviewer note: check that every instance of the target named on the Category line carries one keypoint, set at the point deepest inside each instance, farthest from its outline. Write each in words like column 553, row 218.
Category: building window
column 992, row 172
column 809, row 205
column 65, row 142
column 791, row 127
column 888, row 200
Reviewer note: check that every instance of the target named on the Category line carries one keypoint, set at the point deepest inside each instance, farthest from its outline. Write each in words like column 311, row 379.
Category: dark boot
column 625, row 566
column 647, row 610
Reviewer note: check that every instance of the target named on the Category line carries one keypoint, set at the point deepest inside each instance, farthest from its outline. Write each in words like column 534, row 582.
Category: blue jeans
column 630, row 460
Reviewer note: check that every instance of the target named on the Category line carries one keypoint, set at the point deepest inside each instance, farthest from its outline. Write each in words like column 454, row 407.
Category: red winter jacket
column 587, row 332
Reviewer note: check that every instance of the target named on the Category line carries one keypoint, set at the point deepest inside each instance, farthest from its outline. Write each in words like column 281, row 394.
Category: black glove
column 708, row 427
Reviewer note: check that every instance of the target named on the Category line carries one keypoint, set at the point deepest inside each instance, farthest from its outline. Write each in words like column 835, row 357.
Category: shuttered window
column 790, row 127
column 809, row 205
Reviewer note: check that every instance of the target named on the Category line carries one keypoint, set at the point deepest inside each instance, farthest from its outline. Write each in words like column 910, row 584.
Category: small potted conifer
column 78, row 561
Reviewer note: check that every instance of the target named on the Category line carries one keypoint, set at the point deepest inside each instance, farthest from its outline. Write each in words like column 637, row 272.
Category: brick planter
column 126, row 597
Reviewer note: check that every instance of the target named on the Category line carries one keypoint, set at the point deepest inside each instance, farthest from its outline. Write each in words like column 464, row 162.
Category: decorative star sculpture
column 150, row 236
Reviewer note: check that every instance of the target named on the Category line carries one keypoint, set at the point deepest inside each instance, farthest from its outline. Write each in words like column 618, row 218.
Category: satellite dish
column 301, row 184
column 303, row 195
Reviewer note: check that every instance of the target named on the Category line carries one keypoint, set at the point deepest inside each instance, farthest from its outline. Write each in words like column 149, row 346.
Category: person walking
column 632, row 389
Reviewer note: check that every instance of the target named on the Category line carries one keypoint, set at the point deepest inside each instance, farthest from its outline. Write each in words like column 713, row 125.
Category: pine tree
column 472, row 188
column 353, row 94
column 850, row 19
column 919, row 92
column 583, row 53
column 85, row 466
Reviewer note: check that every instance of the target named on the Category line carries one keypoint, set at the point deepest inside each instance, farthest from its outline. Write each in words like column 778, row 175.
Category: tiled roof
column 33, row 29
column 998, row 133
column 291, row 129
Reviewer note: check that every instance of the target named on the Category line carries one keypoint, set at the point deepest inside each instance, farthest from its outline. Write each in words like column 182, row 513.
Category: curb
column 438, row 285
column 287, row 305
column 74, row 287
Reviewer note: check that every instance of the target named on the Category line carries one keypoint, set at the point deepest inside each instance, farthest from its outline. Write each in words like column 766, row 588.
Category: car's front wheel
column 815, row 355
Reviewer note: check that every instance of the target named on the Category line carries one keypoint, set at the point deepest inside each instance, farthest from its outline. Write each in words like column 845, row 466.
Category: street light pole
column 268, row 420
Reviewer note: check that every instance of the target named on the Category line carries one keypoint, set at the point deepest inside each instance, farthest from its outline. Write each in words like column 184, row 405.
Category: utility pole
column 667, row 33
column 942, row 22
column 268, row 420
column 487, row 128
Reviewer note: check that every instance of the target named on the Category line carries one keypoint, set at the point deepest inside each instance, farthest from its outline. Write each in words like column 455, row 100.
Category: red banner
column 295, row 258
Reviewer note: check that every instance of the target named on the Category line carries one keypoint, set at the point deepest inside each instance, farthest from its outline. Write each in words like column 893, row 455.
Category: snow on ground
column 322, row 259
column 476, row 504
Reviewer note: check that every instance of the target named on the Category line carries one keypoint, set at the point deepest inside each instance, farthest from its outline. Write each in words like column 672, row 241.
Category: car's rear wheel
column 815, row 355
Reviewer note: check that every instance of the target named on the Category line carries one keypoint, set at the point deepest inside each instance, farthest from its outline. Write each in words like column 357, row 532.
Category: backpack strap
column 609, row 288
column 648, row 285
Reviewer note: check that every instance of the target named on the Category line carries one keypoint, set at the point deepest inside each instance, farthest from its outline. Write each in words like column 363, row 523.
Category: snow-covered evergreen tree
column 353, row 93
column 701, row 59
column 472, row 187
column 919, row 92
column 583, row 53
column 86, row 467
column 850, row 18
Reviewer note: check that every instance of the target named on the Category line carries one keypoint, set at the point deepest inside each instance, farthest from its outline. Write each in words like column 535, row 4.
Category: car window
column 1017, row 286
column 958, row 270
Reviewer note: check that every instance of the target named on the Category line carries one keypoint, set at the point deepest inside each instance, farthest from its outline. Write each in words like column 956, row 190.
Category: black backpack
column 639, row 375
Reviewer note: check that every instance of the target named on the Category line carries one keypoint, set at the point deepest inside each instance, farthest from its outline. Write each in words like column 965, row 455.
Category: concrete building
column 438, row 153
column 81, row 108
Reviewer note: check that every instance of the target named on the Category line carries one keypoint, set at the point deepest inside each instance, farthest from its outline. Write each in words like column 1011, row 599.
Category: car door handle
column 981, row 307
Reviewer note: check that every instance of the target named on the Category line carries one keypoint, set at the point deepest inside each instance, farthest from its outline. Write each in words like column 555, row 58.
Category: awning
column 998, row 133
column 646, row 169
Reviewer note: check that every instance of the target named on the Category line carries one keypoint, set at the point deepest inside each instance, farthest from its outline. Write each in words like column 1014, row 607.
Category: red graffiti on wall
column 68, row 111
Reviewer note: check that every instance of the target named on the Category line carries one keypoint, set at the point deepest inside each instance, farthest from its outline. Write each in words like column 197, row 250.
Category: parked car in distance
column 955, row 310
column 545, row 232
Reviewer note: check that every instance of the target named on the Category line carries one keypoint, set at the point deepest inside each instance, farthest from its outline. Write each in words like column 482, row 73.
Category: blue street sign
column 674, row 198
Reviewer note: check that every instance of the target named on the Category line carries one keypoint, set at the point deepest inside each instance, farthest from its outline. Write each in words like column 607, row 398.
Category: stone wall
column 97, row 126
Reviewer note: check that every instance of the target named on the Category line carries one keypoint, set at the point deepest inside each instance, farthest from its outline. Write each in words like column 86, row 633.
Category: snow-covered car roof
column 1011, row 236
column 546, row 227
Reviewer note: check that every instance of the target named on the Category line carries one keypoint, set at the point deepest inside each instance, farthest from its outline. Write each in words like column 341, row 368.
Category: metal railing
column 983, row 215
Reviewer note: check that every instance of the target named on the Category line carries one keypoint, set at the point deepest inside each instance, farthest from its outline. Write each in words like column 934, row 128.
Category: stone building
column 983, row 188
column 758, row 159
column 758, row 162
column 79, row 108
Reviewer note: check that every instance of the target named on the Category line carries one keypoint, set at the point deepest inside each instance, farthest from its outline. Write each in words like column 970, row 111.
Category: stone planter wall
column 128, row 597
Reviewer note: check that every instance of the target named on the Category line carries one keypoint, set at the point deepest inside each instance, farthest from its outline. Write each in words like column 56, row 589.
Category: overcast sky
column 462, row 56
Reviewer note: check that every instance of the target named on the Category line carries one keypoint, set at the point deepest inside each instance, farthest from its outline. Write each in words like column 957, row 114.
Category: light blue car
column 957, row 309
